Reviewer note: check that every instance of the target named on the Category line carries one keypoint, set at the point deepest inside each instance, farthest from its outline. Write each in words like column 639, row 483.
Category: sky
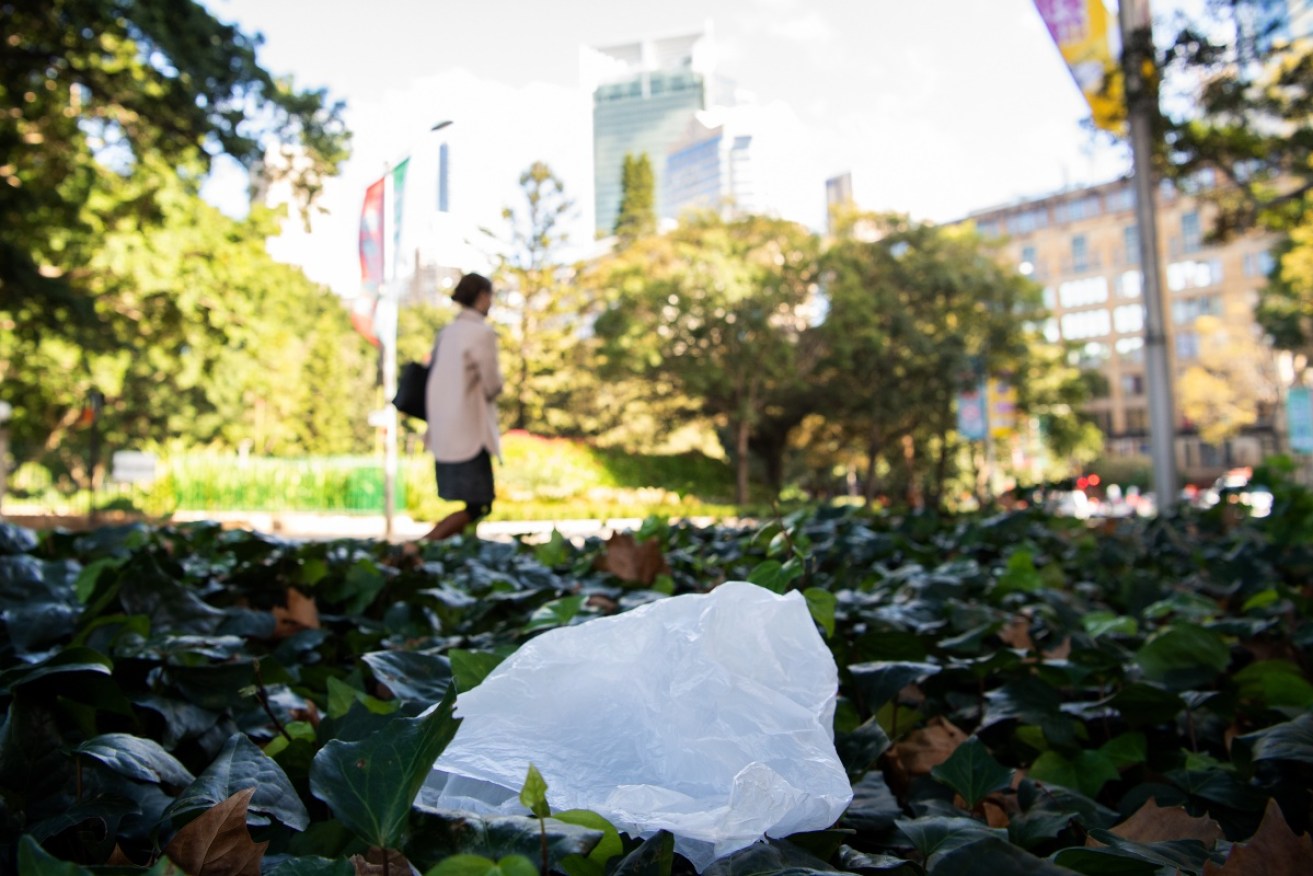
column 938, row 108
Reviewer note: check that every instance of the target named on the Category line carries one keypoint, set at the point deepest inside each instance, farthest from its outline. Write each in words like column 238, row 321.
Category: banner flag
column 371, row 238
column 1090, row 45
column 1001, row 397
column 1299, row 419
column 971, row 414
column 398, row 207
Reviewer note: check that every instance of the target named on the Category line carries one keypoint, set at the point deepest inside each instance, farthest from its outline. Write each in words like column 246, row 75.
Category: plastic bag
column 710, row 716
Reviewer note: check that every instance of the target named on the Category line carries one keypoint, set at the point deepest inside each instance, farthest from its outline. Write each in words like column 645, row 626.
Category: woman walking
column 461, row 395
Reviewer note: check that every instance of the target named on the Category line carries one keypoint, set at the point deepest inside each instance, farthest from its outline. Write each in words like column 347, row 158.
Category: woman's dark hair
column 469, row 287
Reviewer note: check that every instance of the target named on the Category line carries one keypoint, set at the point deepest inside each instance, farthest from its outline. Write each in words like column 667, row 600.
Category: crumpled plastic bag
column 710, row 716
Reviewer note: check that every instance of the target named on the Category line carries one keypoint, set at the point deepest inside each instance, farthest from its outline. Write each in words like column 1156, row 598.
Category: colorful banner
column 371, row 238
column 398, row 206
column 1002, row 400
column 1090, row 46
column 971, row 419
column 1299, row 419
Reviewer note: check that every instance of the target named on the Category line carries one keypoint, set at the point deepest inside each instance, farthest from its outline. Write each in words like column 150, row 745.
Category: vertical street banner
column 1001, row 397
column 371, row 238
column 398, row 210
column 971, row 419
column 1090, row 44
column 371, row 262
column 1299, row 419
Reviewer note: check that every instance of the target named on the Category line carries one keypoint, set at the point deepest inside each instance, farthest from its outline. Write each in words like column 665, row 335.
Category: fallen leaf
column 372, row 863
column 923, row 750
column 995, row 814
column 118, row 858
column 910, row 695
column 630, row 560
column 217, row 843
column 1152, row 823
column 1017, row 633
column 308, row 713
column 300, row 614
column 1273, row 850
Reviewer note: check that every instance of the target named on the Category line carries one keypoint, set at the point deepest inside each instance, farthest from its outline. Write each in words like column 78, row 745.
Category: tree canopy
column 637, row 214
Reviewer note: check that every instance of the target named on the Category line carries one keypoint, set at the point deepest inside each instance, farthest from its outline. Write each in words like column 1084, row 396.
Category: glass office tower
column 644, row 96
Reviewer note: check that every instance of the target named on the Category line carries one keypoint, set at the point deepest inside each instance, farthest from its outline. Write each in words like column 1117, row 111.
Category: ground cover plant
column 1018, row 694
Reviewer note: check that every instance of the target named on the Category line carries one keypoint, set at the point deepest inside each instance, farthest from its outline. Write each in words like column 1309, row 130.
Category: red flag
column 362, row 317
column 371, row 237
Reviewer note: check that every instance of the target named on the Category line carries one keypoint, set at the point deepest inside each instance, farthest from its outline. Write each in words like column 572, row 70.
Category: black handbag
column 411, row 390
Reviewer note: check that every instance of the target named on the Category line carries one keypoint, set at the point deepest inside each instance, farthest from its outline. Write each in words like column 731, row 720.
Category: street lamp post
column 388, row 341
column 1141, row 105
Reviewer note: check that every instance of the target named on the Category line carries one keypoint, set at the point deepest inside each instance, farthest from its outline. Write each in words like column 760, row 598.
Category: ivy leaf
column 143, row 760
column 822, row 604
column 776, row 576
column 972, row 772
column 1292, row 740
column 1087, row 772
column 1184, row 656
column 470, row 668
column 607, row 848
column 241, row 764
column 533, row 794
column 939, row 835
column 371, row 784
column 410, row 675
column 880, row 681
column 556, row 613
column 477, row 865
column 655, row 857
column 992, row 856
column 36, row 861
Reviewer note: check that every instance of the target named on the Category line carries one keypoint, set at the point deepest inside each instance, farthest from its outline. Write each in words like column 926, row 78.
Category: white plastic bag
column 710, row 716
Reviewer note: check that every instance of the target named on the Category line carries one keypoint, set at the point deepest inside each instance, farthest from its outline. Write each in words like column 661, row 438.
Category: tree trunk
column 936, row 497
column 914, row 497
column 741, row 452
column 872, row 455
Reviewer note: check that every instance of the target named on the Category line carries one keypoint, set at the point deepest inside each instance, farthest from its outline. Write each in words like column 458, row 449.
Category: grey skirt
column 468, row 481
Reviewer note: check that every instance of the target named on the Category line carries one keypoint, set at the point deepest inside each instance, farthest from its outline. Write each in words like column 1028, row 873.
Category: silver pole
column 1141, row 99
column 389, row 342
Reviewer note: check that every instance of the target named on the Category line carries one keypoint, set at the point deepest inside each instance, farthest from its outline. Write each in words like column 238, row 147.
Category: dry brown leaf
column 631, row 560
column 910, row 695
column 308, row 713
column 1017, row 633
column 118, row 858
column 1273, row 850
column 371, row 863
column 217, row 843
column 995, row 814
column 923, row 750
column 300, row 614
column 1152, row 823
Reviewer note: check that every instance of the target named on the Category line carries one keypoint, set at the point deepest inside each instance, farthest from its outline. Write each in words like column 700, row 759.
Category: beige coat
column 464, row 382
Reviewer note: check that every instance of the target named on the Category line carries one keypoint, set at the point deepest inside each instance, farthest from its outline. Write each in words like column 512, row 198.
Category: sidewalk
column 318, row 527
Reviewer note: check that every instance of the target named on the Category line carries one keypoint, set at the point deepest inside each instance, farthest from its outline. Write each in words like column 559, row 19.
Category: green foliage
column 637, row 214
column 113, row 274
column 143, row 681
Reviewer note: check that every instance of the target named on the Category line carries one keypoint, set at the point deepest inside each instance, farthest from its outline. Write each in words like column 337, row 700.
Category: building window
column 1082, row 293
column 1050, row 298
column 1192, row 238
column 988, row 228
column 1128, row 319
column 1131, row 349
column 1028, row 256
column 1131, row 241
column 1194, row 275
column 1086, row 324
column 1137, row 421
column 1187, row 310
column 1051, row 332
column 1120, row 200
column 1132, row 384
column 1128, row 284
column 1259, row 264
column 1080, row 254
column 1187, row 346
column 1029, row 220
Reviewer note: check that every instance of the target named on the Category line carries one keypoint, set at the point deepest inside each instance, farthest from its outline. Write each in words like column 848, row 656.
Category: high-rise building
column 838, row 193
column 1083, row 247
column 645, row 94
column 710, row 168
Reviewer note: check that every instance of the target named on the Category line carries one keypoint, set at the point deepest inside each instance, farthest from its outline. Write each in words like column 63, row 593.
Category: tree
column 715, row 311
column 545, row 311
column 916, row 314
column 637, row 214
column 115, row 110
column 1221, row 394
